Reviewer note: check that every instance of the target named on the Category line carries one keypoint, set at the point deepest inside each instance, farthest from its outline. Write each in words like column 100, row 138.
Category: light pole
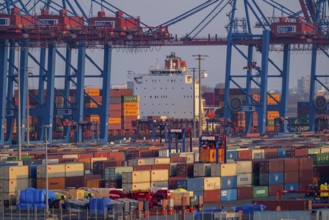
column 193, row 82
column 28, row 110
column 200, row 57
column 46, row 146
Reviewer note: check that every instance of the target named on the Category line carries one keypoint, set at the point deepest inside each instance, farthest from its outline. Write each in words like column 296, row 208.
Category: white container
column 244, row 179
column 244, row 167
column 54, row 170
column 225, row 169
column 141, row 161
column 74, row 169
column 50, row 161
column 196, row 157
column 13, row 185
column 189, row 156
column 127, row 187
column 211, row 183
column 201, row 169
column 257, row 154
column 159, row 175
column 70, row 156
column 165, row 152
column 162, row 160
column 14, row 172
column 136, row 177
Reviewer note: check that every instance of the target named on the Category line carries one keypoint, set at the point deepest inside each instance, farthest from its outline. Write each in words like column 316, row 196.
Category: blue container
column 195, row 184
column 282, row 152
column 291, row 186
column 271, row 178
column 228, row 182
column 182, row 184
column 231, row 155
column 32, row 171
column 228, row 195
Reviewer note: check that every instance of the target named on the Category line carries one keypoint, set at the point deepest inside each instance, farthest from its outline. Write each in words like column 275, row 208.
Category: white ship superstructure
column 167, row 91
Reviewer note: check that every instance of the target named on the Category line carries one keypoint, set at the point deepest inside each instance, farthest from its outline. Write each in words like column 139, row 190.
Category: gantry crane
column 67, row 31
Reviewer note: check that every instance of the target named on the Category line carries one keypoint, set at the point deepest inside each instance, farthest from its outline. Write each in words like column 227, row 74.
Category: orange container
column 271, row 101
column 53, row 183
column 130, row 105
column 114, row 121
column 131, row 112
column 271, row 115
column 92, row 91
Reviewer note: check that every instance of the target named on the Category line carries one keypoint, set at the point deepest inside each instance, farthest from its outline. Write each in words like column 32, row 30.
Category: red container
column 161, row 167
column 291, row 177
column 271, row 153
column 305, row 163
column 85, row 155
column 285, row 205
column 273, row 189
column 178, row 159
column 244, row 155
column 172, row 181
column 118, row 156
column 211, row 195
column 115, row 107
column 245, row 192
column 272, row 165
column 142, row 167
column 75, row 181
column 291, row 164
column 306, row 176
column 298, row 153
column 184, row 169
column 100, row 154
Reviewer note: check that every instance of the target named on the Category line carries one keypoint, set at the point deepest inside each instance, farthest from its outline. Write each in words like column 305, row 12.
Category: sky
column 155, row 12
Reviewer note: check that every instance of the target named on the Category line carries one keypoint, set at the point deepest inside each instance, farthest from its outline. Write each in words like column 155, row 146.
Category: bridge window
column 286, row 29
column 48, row 21
column 4, row 21
column 104, row 23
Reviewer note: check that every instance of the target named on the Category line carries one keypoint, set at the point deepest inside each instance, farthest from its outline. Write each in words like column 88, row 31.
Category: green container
column 233, row 147
column 133, row 98
column 12, row 158
column 59, row 128
column 260, row 191
column 26, row 157
column 255, row 179
column 320, row 159
column 314, row 151
column 270, row 122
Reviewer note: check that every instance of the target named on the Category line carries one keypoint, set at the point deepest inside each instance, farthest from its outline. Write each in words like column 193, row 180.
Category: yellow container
column 14, row 172
column 54, row 170
column 127, row 187
column 13, row 185
column 136, row 177
column 211, row 183
column 76, row 193
column 74, row 169
column 162, row 160
column 159, row 175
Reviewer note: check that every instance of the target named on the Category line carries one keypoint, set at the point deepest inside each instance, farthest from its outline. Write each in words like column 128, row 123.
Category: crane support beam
column 4, row 45
column 80, row 90
column 50, row 96
column 262, row 110
column 106, row 94
column 312, row 89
